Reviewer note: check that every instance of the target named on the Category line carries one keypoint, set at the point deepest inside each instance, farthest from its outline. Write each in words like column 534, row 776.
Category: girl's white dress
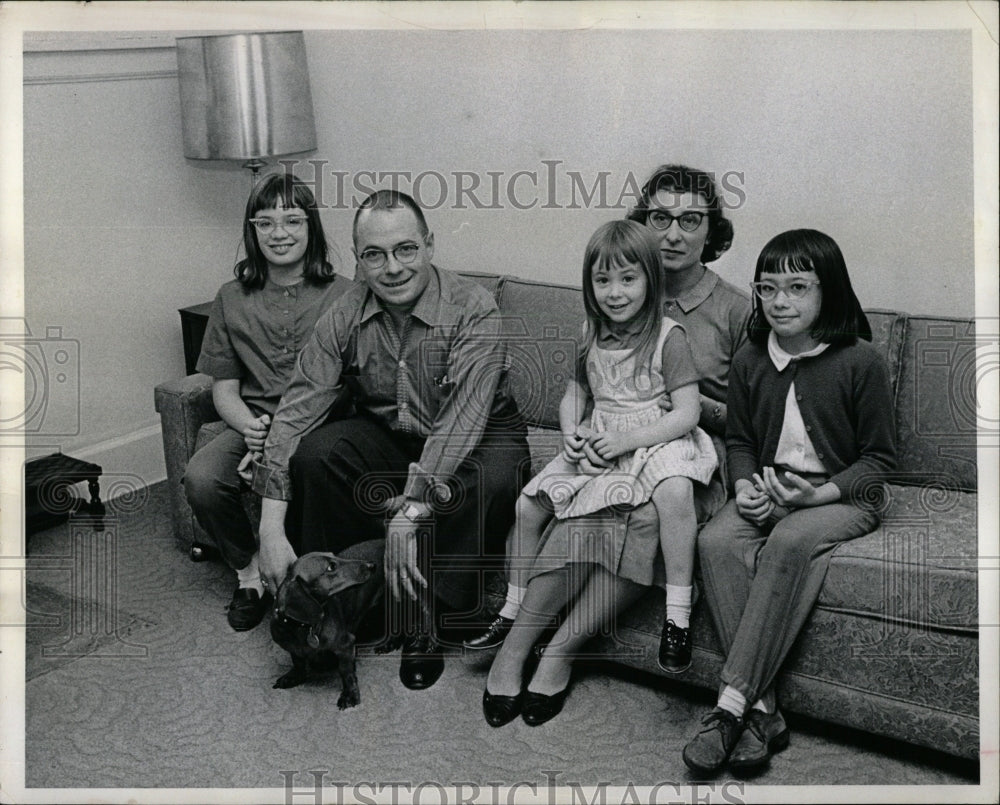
column 623, row 402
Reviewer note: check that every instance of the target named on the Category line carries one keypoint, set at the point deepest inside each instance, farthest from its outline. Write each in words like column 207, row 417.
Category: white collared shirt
column 795, row 449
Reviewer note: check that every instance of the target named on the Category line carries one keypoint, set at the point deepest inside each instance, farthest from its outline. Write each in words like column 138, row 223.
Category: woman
column 682, row 205
column 258, row 324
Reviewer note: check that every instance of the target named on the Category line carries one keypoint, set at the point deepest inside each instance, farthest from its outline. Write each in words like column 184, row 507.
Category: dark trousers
column 345, row 472
column 213, row 491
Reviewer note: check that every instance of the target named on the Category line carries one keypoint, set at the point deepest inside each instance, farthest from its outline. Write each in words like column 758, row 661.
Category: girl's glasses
column 796, row 289
column 689, row 221
column 292, row 224
column 375, row 259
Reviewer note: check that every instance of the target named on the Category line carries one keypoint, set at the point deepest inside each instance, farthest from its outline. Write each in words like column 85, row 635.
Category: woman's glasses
column 292, row 224
column 796, row 289
column 689, row 221
column 375, row 259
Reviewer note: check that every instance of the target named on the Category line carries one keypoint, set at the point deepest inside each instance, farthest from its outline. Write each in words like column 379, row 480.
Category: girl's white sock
column 249, row 576
column 512, row 605
column 732, row 701
column 679, row 605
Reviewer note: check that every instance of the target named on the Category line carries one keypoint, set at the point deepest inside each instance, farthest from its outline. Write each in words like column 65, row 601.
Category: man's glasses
column 292, row 224
column 689, row 221
column 796, row 289
column 375, row 259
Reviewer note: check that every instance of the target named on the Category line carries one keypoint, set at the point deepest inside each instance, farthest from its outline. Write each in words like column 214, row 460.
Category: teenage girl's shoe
column 709, row 750
column 675, row 648
column 766, row 734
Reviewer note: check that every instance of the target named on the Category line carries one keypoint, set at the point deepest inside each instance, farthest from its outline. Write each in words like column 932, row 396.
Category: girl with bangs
column 633, row 358
column 810, row 438
column 258, row 323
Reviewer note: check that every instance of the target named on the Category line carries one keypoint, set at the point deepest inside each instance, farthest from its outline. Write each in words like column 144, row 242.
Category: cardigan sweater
column 847, row 407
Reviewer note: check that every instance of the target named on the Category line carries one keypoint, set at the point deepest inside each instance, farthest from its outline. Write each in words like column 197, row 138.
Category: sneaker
column 766, row 734
column 247, row 608
column 675, row 648
column 709, row 750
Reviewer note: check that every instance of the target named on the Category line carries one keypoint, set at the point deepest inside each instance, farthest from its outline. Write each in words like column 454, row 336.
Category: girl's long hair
column 841, row 320
column 286, row 191
column 619, row 243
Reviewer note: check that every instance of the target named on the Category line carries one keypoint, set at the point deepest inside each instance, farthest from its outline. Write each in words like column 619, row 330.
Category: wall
column 865, row 135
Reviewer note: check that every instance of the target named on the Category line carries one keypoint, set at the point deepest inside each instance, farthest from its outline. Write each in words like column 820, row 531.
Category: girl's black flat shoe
column 539, row 708
column 500, row 710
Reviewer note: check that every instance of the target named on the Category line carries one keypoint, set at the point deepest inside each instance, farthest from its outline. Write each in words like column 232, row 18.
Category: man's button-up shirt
column 439, row 378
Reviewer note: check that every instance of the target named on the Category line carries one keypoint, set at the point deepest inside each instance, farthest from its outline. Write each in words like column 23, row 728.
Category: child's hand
column 573, row 445
column 753, row 503
column 256, row 433
column 801, row 493
column 610, row 445
column 245, row 469
column 592, row 463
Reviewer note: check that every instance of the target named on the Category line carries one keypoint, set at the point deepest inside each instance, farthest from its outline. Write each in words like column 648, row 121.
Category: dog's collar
column 283, row 618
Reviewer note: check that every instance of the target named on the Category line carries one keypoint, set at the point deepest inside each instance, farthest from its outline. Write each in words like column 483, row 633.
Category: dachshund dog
column 319, row 608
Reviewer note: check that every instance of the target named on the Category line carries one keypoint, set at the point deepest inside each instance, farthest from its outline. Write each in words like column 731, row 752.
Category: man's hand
column 802, row 493
column 666, row 402
column 245, row 469
column 609, row 445
column 752, row 502
column 275, row 557
column 400, row 562
column 255, row 433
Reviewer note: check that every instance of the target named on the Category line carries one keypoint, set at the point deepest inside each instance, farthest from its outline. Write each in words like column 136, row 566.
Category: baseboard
column 129, row 461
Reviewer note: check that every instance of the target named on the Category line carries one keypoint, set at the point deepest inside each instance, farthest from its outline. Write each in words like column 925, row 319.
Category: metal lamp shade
column 245, row 96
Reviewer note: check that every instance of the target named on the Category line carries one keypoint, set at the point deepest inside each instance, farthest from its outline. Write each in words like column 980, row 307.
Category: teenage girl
column 810, row 438
column 258, row 324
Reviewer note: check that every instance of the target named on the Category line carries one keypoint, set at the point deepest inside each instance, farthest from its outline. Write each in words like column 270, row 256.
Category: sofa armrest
column 184, row 405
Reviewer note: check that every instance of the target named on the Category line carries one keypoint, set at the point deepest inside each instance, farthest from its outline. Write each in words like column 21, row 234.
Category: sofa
column 892, row 646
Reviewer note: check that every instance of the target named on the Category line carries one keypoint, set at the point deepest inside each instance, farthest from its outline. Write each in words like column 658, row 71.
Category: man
column 400, row 397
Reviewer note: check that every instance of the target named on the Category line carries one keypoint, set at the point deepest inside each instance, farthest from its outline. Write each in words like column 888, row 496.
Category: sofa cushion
column 936, row 414
column 918, row 568
column 543, row 323
column 887, row 337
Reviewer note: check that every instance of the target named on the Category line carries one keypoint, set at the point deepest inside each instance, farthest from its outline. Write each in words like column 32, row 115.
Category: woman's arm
column 681, row 420
column 571, row 411
column 236, row 414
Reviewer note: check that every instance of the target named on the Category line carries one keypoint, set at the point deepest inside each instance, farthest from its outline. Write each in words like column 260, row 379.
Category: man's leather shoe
column 500, row 710
column 422, row 661
column 494, row 635
column 247, row 608
column 765, row 734
column 709, row 750
column 539, row 708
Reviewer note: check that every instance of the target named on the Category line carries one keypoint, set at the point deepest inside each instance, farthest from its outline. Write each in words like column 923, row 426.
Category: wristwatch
column 413, row 513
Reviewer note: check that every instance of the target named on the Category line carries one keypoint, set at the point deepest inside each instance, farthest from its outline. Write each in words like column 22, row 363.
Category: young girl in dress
column 631, row 449
column 258, row 323
column 810, row 438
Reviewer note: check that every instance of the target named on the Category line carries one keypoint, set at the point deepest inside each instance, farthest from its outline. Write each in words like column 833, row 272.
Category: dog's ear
column 297, row 602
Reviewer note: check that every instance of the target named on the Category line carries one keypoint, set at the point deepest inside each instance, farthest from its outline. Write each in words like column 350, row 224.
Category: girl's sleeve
column 876, row 434
column 677, row 360
column 742, row 448
column 218, row 358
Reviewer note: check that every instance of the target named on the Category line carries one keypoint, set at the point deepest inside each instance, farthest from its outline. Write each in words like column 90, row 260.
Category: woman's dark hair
column 620, row 243
column 286, row 191
column 841, row 320
column 682, row 179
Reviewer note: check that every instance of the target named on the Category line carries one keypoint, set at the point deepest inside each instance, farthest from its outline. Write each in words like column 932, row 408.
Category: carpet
column 134, row 680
